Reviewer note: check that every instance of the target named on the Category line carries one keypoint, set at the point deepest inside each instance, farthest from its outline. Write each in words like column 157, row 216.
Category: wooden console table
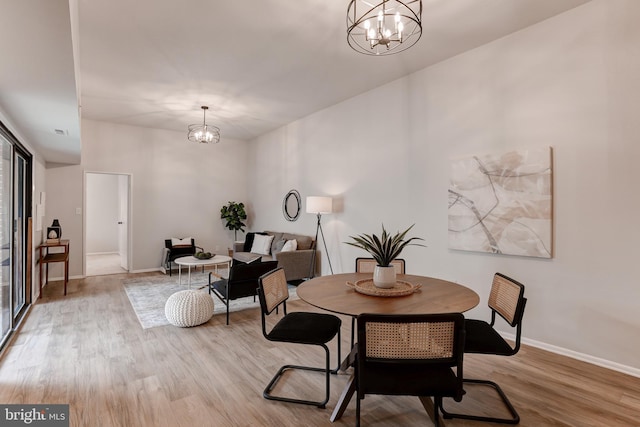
column 46, row 257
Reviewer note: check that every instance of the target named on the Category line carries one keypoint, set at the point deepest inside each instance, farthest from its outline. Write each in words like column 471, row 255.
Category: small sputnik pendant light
column 204, row 133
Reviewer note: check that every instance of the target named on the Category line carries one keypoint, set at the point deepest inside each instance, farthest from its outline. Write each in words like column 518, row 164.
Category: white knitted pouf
column 189, row 308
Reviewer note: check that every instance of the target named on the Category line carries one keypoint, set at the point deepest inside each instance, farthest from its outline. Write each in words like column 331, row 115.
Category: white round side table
column 192, row 261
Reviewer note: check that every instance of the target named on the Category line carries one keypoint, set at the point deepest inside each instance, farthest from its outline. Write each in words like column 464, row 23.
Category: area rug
column 148, row 296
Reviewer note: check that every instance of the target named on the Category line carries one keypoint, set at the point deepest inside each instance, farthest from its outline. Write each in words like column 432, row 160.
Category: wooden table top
column 331, row 293
column 61, row 242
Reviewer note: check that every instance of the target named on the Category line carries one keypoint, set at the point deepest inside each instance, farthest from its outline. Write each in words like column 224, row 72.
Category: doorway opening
column 106, row 223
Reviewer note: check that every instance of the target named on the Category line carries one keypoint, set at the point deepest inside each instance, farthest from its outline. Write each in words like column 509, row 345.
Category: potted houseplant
column 233, row 213
column 384, row 249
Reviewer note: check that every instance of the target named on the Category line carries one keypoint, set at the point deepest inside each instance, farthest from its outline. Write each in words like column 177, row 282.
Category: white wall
column 101, row 213
column 178, row 188
column 570, row 82
column 63, row 195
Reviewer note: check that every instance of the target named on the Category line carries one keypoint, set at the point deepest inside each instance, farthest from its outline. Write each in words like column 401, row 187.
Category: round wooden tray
column 367, row 287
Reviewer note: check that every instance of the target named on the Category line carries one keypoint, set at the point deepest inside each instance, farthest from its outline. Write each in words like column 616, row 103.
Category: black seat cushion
column 418, row 380
column 243, row 279
column 306, row 328
column 482, row 338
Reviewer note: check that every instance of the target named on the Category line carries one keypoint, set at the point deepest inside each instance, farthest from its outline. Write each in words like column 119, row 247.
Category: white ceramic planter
column 384, row 277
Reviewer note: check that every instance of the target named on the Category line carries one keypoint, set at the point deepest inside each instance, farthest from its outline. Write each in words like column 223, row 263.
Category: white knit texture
column 189, row 308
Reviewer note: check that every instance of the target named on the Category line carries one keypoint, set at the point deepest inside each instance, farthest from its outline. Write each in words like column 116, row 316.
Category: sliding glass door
column 5, row 238
column 15, row 210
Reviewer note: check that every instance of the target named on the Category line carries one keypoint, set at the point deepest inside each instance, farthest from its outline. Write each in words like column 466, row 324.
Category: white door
column 123, row 221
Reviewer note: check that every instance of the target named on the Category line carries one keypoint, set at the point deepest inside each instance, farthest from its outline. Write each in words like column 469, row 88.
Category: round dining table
column 332, row 293
column 336, row 293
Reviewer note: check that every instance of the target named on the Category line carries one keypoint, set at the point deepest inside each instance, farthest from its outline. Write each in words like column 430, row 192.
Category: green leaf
column 385, row 248
column 234, row 213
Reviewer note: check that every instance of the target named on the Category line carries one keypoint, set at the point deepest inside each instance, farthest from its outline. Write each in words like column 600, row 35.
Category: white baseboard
column 147, row 270
column 61, row 278
column 103, row 253
column 604, row 363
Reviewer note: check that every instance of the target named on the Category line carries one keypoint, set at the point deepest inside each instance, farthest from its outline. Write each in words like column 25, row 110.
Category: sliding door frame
column 25, row 246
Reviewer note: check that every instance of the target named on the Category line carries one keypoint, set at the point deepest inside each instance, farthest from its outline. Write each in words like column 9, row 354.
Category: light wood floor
column 88, row 350
column 101, row 264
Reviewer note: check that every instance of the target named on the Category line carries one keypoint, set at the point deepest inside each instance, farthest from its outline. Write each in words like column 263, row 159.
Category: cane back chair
column 507, row 300
column 410, row 354
column 296, row 327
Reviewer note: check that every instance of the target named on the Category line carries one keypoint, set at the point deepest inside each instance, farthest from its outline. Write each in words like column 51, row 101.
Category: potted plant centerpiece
column 384, row 249
column 233, row 213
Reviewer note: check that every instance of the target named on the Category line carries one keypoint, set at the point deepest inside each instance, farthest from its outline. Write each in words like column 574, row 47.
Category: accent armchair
column 176, row 248
column 242, row 281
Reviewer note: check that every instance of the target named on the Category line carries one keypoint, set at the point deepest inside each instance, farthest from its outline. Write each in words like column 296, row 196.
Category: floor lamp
column 319, row 205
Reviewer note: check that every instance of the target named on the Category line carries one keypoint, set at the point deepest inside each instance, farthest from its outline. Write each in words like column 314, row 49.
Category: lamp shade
column 319, row 205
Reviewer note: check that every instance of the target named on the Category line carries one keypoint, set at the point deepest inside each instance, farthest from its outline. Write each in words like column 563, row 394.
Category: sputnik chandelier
column 204, row 133
column 385, row 28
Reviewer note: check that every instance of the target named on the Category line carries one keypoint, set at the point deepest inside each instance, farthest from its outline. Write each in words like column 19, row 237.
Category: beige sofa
column 296, row 264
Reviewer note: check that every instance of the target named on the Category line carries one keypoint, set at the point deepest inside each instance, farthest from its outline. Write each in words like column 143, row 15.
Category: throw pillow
column 277, row 246
column 181, row 242
column 248, row 241
column 261, row 244
column 256, row 260
column 236, row 262
column 290, row 246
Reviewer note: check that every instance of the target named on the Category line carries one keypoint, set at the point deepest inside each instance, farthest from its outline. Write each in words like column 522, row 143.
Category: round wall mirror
column 291, row 205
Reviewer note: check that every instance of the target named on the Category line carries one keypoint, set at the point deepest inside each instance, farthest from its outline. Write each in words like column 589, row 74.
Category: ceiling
column 257, row 65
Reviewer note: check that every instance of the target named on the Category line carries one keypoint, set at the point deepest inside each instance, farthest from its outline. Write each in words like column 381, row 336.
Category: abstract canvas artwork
column 502, row 203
